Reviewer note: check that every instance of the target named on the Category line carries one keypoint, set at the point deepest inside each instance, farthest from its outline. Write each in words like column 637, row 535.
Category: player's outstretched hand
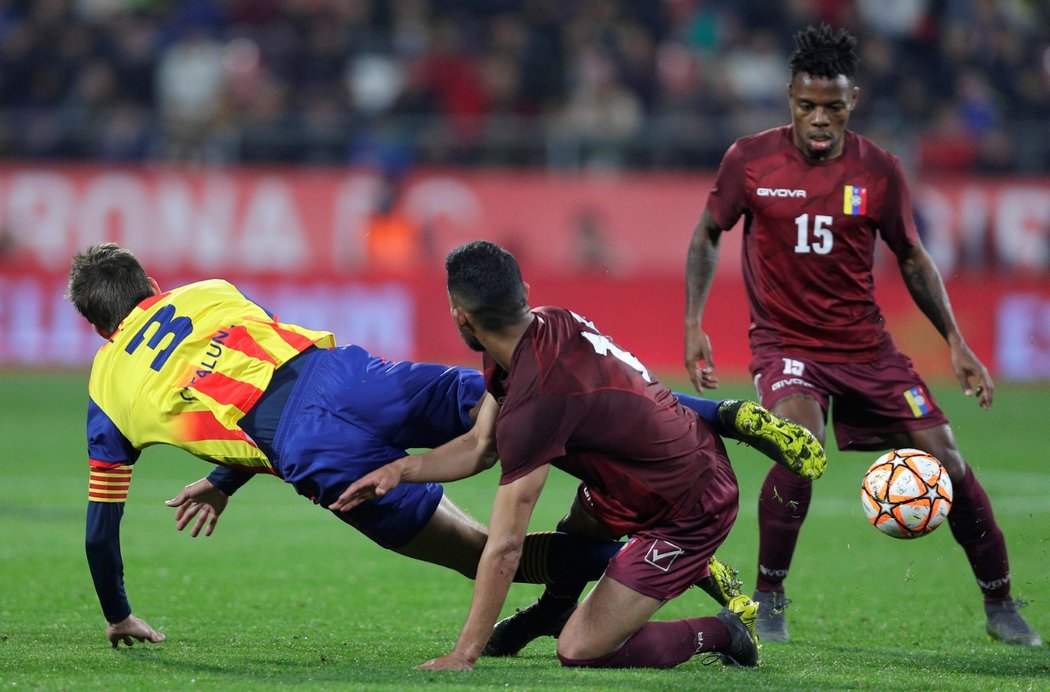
column 132, row 629
column 452, row 661
column 201, row 500
column 372, row 485
column 972, row 375
column 698, row 361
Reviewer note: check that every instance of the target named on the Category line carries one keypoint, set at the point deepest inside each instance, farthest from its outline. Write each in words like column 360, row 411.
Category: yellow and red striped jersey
column 182, row 369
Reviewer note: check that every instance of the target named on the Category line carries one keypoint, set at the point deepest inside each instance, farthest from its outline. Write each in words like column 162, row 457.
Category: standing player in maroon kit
column 815, row 197
column 568, row 397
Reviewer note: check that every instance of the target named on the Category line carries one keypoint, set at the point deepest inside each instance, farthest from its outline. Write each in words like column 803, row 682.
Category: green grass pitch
column 285, row 595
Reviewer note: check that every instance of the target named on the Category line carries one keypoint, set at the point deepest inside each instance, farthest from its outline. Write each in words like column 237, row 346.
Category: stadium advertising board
column 612, row 248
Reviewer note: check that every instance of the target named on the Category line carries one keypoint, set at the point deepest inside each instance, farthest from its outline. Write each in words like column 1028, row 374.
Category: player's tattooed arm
column 700, row 265
column 926, row 287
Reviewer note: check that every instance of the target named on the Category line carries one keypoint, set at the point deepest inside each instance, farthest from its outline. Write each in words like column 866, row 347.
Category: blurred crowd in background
column 582, row 84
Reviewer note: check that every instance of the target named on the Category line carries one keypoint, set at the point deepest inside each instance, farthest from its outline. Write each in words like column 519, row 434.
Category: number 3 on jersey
column 817, row 238
column 178, row 327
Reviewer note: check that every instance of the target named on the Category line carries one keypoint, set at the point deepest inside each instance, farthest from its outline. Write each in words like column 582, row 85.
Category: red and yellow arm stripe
column 109, row 482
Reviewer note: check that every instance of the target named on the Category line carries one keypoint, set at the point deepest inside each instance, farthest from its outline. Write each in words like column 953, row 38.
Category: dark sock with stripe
column 563, row 561
column 782, row 506
column 976, row 530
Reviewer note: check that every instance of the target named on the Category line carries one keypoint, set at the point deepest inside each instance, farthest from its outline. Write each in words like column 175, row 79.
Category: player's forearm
column 701, row 262
column 509, row 523
column 462, row 457
column 926, row 287
column 495, row 575
column 102, row 544
column 229, row 480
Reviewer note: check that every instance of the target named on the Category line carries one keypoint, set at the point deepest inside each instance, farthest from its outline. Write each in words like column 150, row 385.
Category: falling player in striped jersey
column 815, row 197
column 205, row 369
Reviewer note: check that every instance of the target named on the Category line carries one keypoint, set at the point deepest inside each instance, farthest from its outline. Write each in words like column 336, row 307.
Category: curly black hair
column 823, row 51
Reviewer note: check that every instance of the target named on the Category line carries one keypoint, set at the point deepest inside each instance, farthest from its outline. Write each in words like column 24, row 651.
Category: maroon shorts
column 869, row 400
column 664, row 561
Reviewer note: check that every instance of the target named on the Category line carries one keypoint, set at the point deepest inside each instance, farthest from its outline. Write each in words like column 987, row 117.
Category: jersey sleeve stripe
column 109, row 485
column 110, row 467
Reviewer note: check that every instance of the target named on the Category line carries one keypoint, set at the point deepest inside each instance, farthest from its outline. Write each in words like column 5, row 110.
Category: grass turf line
column 283, row 594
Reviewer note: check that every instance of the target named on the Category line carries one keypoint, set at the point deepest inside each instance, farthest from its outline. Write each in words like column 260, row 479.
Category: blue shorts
column 349, row 412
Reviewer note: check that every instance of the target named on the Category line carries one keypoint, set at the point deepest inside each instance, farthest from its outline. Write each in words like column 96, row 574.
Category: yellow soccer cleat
column 785, row 442
column 739, row 618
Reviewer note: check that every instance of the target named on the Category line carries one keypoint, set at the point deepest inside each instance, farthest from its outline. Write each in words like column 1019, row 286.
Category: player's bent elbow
column 508, row 556
column 487, row 460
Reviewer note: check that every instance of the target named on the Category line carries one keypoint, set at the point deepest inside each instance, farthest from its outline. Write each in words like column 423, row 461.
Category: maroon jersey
column 809, row 240
column 576, row 400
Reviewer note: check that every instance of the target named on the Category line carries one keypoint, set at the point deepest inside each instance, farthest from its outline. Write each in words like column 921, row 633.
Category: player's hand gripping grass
column 452, row 661
column 201, row 500
column 131, row 629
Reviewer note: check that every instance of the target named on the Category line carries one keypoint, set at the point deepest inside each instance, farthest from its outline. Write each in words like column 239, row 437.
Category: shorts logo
column 917, row 401
column 663, row 554
column 789, row 382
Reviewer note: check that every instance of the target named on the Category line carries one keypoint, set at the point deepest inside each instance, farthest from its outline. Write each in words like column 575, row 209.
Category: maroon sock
column 976, row 530
column 782, row 507
column 662, row 645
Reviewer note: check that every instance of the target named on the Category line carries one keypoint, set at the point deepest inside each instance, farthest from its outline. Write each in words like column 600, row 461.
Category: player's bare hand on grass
column 201, row 500
column 132, row 629
column 452, row 661
column 698, row 361
column 372, row 485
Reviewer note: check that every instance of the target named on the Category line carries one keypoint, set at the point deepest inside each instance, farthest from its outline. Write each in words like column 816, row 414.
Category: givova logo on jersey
column 780, row 192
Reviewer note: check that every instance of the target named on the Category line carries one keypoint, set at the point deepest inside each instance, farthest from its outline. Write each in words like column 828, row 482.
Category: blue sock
column 705, row 408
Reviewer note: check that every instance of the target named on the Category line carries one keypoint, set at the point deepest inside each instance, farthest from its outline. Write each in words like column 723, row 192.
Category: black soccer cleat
column 771, row 624
column 739, row 618
column 544, row 618
column 1005, row 624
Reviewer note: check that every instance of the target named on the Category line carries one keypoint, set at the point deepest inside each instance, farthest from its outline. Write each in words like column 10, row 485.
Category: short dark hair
column 823, row 51
column 485, row 280
column 105, row 283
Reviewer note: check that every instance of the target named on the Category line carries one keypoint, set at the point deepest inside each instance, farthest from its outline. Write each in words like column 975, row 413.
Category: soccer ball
column 906, row 493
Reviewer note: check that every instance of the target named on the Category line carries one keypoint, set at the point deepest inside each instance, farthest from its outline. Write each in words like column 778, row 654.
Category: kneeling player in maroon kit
column 562, row 394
